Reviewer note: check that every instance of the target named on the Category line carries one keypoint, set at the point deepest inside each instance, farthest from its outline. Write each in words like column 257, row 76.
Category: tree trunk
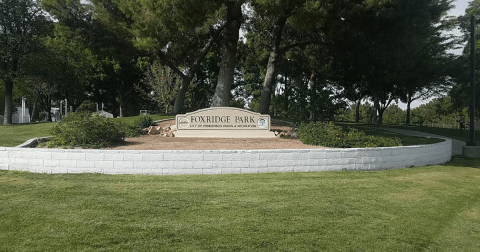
column 375, row 109
column 271, row 75
column 49, row 104
column 313, row 97
column 357, row 110
column 181, row 93
column 380, row 116
column 269, row 83
column 409, row 102
column 285, row 90
column 221, row 98
column 35, row 111
column 7, row 116
column 120, row 107
column 188, row 77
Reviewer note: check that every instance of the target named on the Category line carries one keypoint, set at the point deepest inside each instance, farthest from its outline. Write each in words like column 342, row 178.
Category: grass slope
column 433, row 208
column 13, row 135
column 370, row 129
column 462, row 135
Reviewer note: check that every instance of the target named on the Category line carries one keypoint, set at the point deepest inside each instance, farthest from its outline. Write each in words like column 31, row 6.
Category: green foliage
column 87, row 130
column 348, row 114
column 394, row 115
column 237, row 103
column 2, row 98
column 138, row 125
column 23, row 25
column 328, row 134
column 438, row 112
column 42, row 115
column 87, row 106
column 163, row 84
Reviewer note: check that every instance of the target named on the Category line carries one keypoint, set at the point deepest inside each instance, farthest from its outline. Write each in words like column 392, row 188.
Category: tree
column 161, row 29
column 424, row 71
column 234, row 20
column 394, row 115
column 162, row 82
column 284, row 25
column 96, row 27
column 461, row 71
column 383, row 43
column 22, row 25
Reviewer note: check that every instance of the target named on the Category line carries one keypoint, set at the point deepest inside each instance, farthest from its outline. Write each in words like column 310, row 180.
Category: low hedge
column 327, row 134
column 141, row 123
column 87, row 130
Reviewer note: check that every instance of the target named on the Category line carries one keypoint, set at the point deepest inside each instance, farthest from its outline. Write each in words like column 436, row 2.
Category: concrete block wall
column 172, row 162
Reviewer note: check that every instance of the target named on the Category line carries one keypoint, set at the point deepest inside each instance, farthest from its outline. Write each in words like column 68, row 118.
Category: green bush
column 87, row 130
column 138, row 125
column 328, row 134
column 87, row 106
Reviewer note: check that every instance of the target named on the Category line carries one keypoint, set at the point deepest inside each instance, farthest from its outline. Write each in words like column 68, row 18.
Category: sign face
column 223, row 118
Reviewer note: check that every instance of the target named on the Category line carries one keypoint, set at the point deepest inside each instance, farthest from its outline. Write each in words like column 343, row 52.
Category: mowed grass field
column 435, row 208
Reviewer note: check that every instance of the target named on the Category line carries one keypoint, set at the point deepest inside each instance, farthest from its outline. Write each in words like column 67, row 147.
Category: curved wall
column 165, row 162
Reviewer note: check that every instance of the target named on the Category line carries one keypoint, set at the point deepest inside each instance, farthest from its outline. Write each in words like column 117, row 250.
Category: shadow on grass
column 460, row 161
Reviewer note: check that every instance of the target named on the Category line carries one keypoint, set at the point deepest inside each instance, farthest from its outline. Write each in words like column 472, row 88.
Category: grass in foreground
column 433, row 208
column 13, row 135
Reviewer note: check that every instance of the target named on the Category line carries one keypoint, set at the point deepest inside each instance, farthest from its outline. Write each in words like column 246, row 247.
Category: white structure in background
column 55, row 113
column 104, row 113
column 21, row 116
column 66, row 107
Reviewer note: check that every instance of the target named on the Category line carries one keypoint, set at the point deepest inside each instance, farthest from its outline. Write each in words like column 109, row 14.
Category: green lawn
column 462, row 135
column 13, row 135
column 372, row 130
column 435, row 208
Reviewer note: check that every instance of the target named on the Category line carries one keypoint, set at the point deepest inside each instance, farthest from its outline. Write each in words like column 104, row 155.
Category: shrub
column 87, row 130
column 87, row 106
column 138, row 125
column 328, row 134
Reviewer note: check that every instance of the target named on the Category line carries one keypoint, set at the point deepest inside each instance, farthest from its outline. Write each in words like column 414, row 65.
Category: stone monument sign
column 224, row 122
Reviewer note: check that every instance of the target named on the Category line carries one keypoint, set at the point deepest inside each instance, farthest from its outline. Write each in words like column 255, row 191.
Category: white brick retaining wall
column 165, row 162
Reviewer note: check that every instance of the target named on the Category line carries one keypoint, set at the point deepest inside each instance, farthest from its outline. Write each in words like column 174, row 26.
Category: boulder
column 152, row 130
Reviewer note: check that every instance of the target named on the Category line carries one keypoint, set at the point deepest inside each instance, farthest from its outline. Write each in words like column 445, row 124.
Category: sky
column 459, row 9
